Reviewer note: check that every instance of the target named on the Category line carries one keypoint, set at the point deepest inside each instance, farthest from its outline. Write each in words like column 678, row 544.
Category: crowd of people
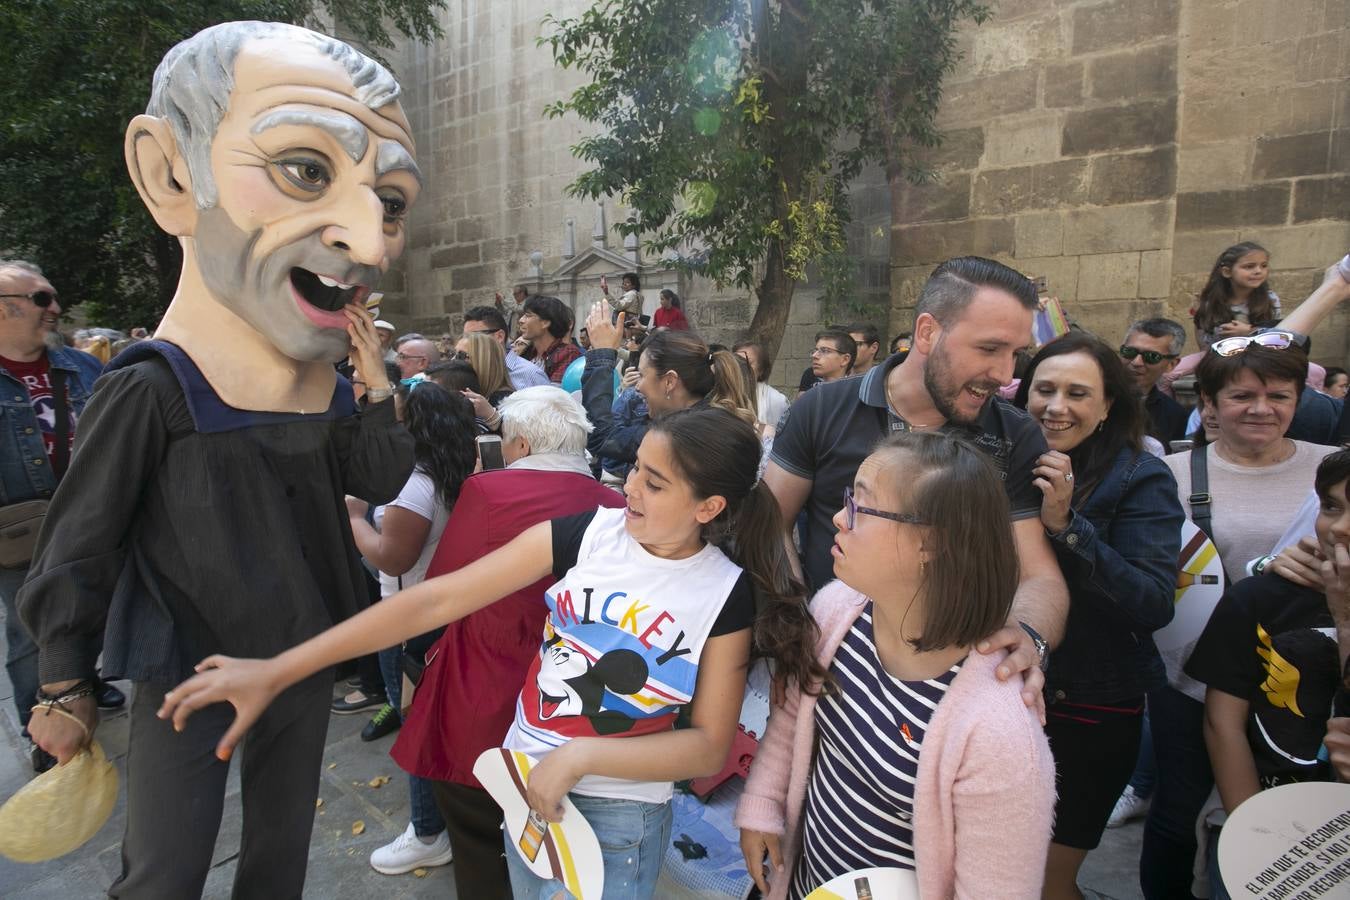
column 954, row 561
column 953, row 557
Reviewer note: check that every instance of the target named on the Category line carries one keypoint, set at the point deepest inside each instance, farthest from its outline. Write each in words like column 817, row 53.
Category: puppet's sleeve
column 120, row 441
column 375, row 453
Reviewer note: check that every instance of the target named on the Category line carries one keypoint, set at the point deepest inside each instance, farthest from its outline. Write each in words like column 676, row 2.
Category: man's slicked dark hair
column 489, row 316
column 953, row 284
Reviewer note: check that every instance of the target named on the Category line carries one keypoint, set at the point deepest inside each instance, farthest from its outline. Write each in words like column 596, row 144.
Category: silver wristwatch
column 1042, row 647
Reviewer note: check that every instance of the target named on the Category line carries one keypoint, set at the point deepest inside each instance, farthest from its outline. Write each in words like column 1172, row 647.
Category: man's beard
column 937, row 380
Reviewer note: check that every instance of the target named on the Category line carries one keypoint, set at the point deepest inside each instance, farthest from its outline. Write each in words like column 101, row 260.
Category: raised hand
column 366, row 353
column 1054, row 476
column 604, row 333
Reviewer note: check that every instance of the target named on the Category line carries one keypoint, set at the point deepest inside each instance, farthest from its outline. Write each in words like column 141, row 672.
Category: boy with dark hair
column 833, row 355
column 1271, row 664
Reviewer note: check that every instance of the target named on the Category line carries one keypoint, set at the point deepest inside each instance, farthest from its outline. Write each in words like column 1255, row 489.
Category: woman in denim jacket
column 1111, row 511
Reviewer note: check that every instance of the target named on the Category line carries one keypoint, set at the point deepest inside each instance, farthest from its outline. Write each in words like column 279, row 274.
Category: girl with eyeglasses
column 1110, row 509
column 909, row 753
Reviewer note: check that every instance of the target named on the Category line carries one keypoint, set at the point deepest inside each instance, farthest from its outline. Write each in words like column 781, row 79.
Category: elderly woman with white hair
column 466, row 699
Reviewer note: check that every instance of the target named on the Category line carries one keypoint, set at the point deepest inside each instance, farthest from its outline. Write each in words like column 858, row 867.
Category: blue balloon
column 572, row 377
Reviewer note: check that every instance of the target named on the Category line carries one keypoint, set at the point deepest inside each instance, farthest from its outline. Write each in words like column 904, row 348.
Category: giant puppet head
column 282, row 159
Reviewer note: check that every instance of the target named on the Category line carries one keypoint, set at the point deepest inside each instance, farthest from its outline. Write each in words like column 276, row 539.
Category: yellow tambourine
column 60, row 809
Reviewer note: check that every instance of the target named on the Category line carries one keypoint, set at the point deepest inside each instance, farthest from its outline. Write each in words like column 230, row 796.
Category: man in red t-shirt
column 467, row 696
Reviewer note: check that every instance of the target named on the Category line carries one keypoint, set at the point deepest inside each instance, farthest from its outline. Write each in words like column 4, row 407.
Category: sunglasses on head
column 1272, row 340
column 1152, row 357
column 41, row 299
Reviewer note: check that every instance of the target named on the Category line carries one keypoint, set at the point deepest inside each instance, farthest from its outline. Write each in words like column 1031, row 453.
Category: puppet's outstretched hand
column 249, row 685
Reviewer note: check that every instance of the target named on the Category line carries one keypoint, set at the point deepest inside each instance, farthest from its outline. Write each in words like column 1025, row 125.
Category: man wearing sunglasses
column 29, row 372
column 1151, row 349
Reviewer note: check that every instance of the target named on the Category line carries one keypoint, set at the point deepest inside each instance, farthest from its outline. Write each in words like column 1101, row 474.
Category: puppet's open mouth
column 548, row 706
column 326, row 293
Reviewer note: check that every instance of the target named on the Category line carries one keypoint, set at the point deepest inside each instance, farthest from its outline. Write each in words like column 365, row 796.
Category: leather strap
column 61, row 459
column 1200, row 499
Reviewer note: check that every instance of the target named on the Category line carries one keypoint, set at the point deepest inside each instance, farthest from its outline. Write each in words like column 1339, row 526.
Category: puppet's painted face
column 314, row 189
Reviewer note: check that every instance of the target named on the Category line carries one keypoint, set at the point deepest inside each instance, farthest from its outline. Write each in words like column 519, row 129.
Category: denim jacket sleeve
column 608, row 438
column 1127, row 563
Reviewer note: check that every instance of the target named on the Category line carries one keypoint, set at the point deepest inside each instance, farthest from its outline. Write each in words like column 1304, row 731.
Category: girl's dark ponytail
column 718, row 452
column 784, row 630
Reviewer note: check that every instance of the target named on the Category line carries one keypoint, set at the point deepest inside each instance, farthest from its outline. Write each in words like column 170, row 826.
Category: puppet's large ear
column 160, row 174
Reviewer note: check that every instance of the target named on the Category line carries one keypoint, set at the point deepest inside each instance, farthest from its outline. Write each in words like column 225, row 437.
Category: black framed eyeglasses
column 1271, row 340
column 851, row 510
column 1152, row 357
column 41, row 299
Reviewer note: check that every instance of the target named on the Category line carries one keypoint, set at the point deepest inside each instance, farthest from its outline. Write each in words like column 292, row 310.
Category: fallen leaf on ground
column 358, row 826
column 378, row 781
column 332, row 765
column 420, row 873
column 318, row 803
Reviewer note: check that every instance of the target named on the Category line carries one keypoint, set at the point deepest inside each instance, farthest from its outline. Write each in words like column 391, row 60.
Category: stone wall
column 496, row 170
column 1117, row 147
column 1113, row 146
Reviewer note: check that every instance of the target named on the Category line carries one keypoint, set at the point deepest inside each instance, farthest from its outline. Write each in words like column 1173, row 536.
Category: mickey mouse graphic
column 570, row 684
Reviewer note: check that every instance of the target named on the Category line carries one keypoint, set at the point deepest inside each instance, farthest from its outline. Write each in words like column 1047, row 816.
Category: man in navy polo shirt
column 972, row 316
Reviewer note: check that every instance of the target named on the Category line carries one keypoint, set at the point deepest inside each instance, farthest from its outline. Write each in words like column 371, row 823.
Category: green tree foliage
column 732, row 128
column 76, row 71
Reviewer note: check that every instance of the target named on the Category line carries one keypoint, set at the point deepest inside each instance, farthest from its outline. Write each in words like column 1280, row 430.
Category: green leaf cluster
column 76, row 72
column 733, row 128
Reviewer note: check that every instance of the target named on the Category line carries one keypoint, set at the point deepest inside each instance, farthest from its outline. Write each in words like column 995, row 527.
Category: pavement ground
column 338, row 858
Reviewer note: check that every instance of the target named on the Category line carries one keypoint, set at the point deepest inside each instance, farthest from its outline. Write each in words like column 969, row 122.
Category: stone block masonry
column 1113, row 147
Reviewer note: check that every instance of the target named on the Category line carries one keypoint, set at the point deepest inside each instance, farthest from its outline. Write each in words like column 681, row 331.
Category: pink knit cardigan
column 985, row 792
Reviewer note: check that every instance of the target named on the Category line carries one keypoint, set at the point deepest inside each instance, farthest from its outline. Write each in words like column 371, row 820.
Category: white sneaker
column 407, row 852
column 1129, row 806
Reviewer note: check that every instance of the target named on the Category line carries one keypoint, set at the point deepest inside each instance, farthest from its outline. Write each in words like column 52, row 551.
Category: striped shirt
column 861, row 795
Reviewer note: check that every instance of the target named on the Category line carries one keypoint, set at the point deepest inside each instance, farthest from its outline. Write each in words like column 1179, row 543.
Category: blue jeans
column 426, row 818
column 1167, row 859
column 21, row 655
column 633, row 837
column 1145, row 767
column 1217, row 891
